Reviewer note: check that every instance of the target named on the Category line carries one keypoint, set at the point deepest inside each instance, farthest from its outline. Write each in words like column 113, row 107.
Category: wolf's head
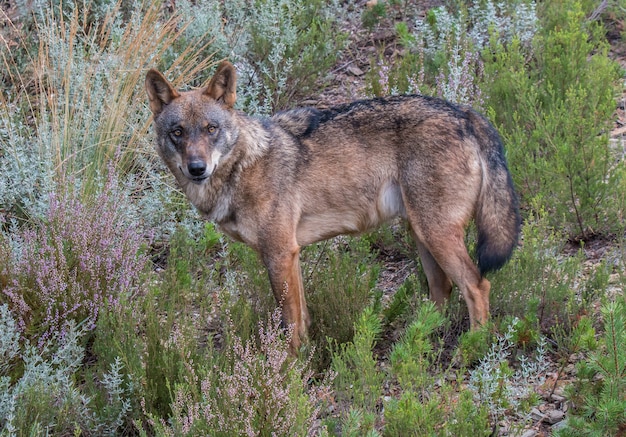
column 195, row 129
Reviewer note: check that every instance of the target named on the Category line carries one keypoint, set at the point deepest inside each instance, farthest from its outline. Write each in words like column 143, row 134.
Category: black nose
column 196, row 168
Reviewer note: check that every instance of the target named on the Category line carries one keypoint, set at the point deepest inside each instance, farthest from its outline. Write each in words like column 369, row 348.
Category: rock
column 558, row 398
column 537, row 415
column 554, row 416
column 354, row 70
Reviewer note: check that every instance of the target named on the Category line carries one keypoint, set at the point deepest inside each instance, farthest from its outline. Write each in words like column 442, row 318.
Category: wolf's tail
column 497, row 213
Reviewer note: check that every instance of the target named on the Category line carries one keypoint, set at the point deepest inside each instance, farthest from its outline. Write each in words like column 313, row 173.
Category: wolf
column 304, row 175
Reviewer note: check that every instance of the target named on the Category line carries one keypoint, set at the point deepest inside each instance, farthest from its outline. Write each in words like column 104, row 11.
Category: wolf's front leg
column 286, row 279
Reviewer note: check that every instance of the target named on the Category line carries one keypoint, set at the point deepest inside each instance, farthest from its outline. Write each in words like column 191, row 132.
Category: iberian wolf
column 306, row 175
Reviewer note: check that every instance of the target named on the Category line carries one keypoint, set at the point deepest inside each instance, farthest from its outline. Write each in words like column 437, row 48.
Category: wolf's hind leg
column 444, row 257
column 439, row 285
column 451, row 254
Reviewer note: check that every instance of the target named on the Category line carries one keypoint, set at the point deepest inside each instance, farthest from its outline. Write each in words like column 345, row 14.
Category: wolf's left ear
column 223, row 85
column 160, row 91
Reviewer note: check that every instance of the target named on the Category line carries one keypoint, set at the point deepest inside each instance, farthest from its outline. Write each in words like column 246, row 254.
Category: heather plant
column 175, row 314
column 197, row 366
column 162, row 334
column 256, row 390
column 78, row 259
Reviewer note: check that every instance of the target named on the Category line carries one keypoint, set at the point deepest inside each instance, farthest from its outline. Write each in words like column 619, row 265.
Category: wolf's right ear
column 223, row 85
column 160, row 91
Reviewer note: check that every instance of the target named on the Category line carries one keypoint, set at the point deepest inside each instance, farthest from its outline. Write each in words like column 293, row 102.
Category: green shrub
column 473, row 345
column 371, row 16
column 539, row 285
column 598, row 393
column 555, row 107
column 498, row 386
column 357, row 423
column 339, row 283
column 403, row 300
column 39, row 389
column 414, row 352
column 427, row 403
column 411, row 415
column 358, row 379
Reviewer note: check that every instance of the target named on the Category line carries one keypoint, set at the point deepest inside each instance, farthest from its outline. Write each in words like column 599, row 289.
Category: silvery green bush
column 44, row 397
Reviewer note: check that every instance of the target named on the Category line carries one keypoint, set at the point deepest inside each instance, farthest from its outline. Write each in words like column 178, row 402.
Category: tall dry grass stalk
column 86, row 86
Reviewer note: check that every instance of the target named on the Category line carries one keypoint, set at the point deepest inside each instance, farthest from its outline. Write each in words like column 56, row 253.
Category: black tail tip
column 491, row 262
column 492, row 257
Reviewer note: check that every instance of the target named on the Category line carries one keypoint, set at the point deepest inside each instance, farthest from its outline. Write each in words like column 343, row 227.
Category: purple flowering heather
column 259, row 390
column 81, row 257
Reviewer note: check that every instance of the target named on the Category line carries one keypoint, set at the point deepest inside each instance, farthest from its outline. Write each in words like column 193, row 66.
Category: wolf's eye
column 177, row 132
column 212, row 129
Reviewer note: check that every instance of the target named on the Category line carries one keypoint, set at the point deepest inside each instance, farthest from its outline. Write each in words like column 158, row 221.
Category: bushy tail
column 497, row 215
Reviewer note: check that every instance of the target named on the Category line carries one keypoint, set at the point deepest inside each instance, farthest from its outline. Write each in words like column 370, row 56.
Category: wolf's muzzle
column 196, row 168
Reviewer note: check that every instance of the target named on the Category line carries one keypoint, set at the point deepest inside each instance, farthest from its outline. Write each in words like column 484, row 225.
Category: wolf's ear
column 223, row 85
column 160, row 91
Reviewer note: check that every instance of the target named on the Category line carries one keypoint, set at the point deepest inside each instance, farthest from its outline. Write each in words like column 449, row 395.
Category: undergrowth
column 95, row 339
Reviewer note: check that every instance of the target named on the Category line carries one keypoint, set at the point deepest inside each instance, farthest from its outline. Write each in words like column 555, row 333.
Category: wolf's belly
column 357, row 216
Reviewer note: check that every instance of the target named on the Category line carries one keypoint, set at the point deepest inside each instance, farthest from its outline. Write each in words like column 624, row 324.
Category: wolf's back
column 497, row 215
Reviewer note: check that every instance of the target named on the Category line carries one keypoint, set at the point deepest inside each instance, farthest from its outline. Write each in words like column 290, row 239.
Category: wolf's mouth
column 199, row 179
